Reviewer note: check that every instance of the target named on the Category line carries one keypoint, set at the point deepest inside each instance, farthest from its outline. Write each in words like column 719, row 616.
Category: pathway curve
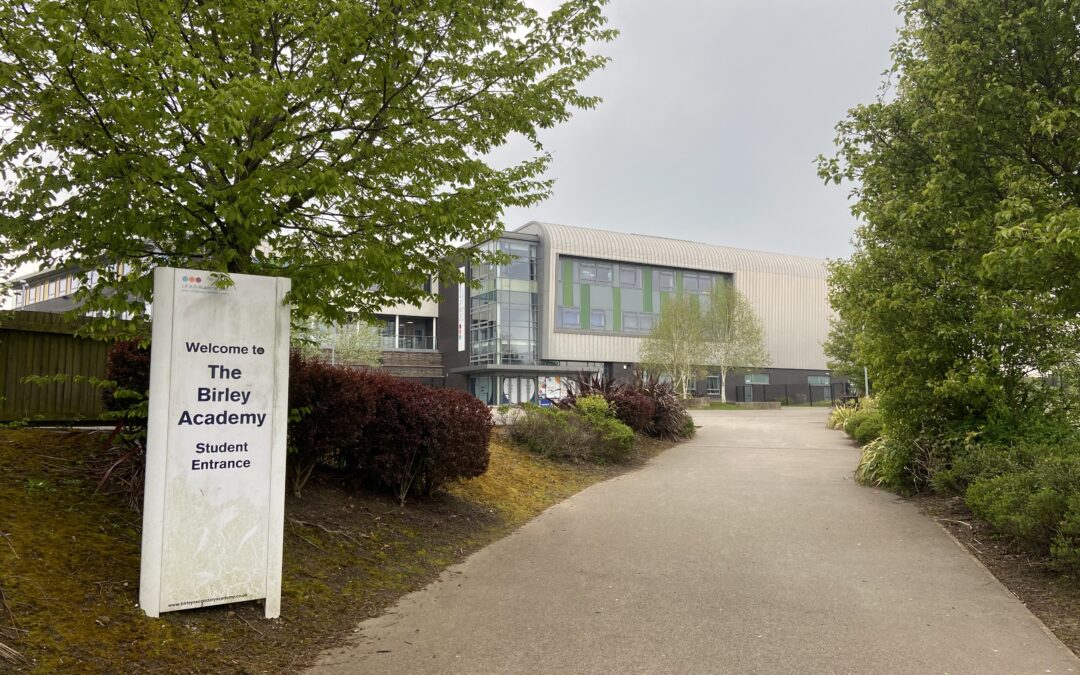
column 747, row 550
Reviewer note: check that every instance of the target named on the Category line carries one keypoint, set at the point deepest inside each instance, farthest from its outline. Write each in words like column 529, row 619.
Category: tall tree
column 964, row 174
column 676, row 346
column 733, row 334
column 341, row 143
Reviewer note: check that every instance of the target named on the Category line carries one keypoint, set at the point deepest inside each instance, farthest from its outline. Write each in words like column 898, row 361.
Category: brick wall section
column 413, row 364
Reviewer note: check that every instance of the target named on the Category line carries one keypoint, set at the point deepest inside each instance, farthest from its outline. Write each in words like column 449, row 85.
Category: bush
column 421, row 438
column 634, row 409
column 869, row 429
column 863, row 424
column 839, row 416
column 1032, row 493
column 128, row 366
column 587, row 432
column 329, row 407
column 645, row 404
column 391, row 433
column 553, row 432
column 670, row 419
column 901, row 466
column 616, row 440
column 122, row 459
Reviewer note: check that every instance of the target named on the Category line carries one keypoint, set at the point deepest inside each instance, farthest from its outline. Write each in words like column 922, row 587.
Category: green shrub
column 688, row 428
column 645, row 404
column 839, row 416
column 865, row 415
column 1036, row 500
column 586, row 432
column 1065, row 550
column 869, row 429
column 871, row 463
column 901, row 466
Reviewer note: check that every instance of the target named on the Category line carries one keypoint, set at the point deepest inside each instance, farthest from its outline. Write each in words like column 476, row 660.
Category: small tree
column 355, row 343
column 676, row 347
column 733, row 335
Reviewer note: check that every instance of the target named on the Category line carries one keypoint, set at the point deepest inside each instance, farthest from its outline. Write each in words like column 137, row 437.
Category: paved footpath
column 748, row 550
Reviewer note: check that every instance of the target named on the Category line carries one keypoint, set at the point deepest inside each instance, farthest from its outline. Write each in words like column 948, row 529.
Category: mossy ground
column 69, row 561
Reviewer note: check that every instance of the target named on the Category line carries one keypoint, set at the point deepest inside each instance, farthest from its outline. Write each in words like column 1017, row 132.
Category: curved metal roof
column 646, row 249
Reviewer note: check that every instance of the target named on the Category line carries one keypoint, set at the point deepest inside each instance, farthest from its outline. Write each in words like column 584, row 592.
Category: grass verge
column 69, row 561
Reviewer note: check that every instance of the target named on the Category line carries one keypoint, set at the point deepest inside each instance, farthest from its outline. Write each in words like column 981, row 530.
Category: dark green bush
column 869, row 429
column 1033, row 494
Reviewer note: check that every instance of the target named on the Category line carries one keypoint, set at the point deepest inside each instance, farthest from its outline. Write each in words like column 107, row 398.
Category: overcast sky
column 713, row 113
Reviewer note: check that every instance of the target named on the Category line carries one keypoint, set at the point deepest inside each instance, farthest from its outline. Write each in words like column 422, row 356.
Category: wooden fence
column 42, row 344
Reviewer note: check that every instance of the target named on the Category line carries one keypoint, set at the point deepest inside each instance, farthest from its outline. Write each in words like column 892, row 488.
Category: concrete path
column 747, row 550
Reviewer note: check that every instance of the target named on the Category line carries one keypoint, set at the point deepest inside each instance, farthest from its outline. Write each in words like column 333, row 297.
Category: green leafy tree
column 965, row 181
column 733, row 334
column 842, row 350
column 676, row 347
column 337, row 142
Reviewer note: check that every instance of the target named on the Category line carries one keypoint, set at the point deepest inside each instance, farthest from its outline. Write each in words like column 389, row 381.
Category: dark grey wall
column 448, row 341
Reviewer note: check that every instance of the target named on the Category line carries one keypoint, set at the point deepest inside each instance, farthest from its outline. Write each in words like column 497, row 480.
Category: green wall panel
column 646, row 279
column 616, row 320
column 585, row 307
column 568, row 283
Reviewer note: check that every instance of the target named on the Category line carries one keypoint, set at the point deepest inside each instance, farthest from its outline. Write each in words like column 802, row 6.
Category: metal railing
column 409, row 342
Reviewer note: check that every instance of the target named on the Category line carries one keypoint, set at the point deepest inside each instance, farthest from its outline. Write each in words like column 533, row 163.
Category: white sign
column 461, row 290
column 214, row 504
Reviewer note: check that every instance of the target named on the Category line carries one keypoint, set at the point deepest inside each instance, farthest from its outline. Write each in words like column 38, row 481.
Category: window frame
column 632, row 270
column 563, row 311
column 709, row 389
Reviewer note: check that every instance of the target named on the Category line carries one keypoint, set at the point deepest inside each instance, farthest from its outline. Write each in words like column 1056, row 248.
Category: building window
column 629, row 277
column 819, row 380
column 598, row 319
column 757, row 378
column 570, row 317
column 502, row 312
column 666, row 280
column 595, row 273
column 697, row 283
column 712, row 384
column 635, row 322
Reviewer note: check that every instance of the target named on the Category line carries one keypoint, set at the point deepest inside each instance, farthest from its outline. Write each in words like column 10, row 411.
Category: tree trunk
column 723, row 385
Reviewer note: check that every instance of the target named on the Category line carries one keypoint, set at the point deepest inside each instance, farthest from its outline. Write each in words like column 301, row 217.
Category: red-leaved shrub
column 128, row 365
column 392, row 433
column 329, row 406
column 422, row 437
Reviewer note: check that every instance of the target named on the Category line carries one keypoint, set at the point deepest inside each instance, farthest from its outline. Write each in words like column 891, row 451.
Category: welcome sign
column 213, row 510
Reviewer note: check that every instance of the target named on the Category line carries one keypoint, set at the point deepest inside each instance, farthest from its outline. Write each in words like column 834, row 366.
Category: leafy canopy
column 962, row 283
column 676, row 346
column 340, row 143
column 733, row 333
